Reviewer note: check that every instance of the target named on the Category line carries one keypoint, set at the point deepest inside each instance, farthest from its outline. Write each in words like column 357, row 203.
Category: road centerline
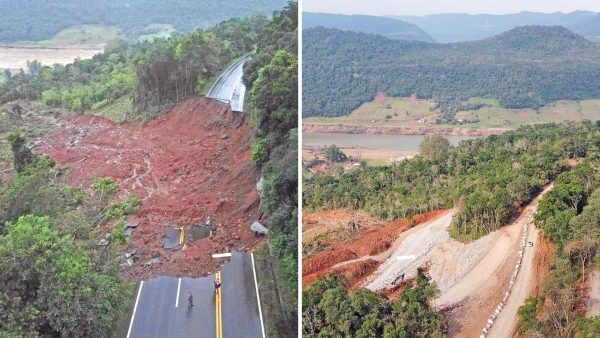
column 178, row 289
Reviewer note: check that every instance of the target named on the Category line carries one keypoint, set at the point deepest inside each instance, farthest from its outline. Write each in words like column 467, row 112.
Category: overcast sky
column 422, row 7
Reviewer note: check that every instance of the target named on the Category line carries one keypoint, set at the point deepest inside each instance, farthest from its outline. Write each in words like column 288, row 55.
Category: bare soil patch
column 360, row 256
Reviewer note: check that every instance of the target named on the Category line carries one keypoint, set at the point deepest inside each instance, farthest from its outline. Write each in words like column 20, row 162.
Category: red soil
column 380, row 98
column 189, row 164
column 372, row 242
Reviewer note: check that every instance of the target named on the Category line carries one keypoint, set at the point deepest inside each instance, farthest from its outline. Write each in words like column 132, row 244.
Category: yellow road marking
column 181, row 235
column 218, row 307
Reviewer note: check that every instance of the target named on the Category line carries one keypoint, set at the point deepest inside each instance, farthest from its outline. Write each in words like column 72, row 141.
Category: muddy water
column 408, row 143
column 16, row 57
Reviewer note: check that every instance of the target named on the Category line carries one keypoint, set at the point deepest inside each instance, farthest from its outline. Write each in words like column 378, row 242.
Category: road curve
column 229, row 87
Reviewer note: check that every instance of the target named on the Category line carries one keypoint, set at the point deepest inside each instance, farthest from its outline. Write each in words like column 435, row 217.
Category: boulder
column 259, row 229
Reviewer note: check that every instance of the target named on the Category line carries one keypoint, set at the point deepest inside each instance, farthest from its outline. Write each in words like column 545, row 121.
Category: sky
column 423, row 7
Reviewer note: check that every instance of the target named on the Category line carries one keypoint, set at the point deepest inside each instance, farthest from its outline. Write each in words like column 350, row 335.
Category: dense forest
column 55, row 280
column 151, row 74
column 329, row 310
column 390, row 28
column 271, row 78
column 569, row 215
column 488, row 180
column 454, row 27
column 33, row 20
column 525, row 67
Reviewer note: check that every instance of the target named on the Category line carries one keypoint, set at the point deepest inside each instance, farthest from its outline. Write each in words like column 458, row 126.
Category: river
column 16, row 57
column 402, row 143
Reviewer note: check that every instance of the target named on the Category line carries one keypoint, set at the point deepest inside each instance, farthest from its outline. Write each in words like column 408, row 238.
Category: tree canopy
column 329, row 310
column 33, row 20
column 486, row 179
column 524, row 67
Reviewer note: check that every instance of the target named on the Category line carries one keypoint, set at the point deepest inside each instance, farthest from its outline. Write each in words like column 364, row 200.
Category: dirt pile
column 187, row 165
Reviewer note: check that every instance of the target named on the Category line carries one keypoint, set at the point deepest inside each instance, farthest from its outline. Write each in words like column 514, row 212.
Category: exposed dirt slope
column 358, row 257
column 593, row 306
column 187, row 165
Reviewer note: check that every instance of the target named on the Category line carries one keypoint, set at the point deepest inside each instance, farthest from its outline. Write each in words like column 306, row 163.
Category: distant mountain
column 391, row 28
column 467, row 27
column 34, row 20
column 590, row 28
column 525, row 67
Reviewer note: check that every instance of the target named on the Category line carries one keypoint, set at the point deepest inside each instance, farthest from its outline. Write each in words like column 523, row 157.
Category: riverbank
column 316, row 128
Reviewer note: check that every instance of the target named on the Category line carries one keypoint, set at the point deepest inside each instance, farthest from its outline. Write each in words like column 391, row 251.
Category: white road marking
column 403, row 258
column 222, row 255
column 178, row 288
column 137, row 299
column 262, row 325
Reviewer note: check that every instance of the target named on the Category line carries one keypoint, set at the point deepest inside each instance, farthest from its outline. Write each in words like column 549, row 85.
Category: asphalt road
column 160, row 312
column 229, row 87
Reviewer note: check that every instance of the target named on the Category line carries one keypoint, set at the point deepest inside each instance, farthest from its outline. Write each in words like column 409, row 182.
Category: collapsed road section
column 188, row 166
column 229, row 87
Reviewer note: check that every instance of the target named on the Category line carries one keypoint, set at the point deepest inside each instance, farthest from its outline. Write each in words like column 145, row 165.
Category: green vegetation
column 22, row 155
column 271, row 78
column 486, row 179
column 334, row 154
column 85, row 34
column 328, row 310
column 569, row 216
column 54, row 282
column 134, row 81
column 51, row 287
column 32, row 20
column 121, row 208
column 527, row 67
column 410, row 112
column 157, row 31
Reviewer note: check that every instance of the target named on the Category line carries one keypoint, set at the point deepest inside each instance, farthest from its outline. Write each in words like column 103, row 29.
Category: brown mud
column 187, row 165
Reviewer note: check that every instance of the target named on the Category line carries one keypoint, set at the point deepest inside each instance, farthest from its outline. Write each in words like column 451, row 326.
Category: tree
column 22, row 155
column 334, row 154
column 50, row 287
column 434, row 147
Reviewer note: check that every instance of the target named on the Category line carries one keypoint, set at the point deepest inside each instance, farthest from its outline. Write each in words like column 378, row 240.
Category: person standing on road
column 190, row 299
column 217, row 284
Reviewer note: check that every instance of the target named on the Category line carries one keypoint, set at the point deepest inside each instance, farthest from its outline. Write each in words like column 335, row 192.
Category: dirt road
column 476, row 294
column 593, row 309
column 507, row 320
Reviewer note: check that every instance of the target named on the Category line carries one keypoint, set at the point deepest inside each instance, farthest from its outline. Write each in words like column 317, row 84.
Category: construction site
column 481, row 284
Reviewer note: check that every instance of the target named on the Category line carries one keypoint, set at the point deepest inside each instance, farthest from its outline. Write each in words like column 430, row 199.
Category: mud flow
column 189, row 166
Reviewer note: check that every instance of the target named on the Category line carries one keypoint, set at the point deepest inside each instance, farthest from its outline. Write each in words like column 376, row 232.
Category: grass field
column 157, row 31
column 498, row 117
column 391, row 111
column 77, row 35
column 410, row 112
